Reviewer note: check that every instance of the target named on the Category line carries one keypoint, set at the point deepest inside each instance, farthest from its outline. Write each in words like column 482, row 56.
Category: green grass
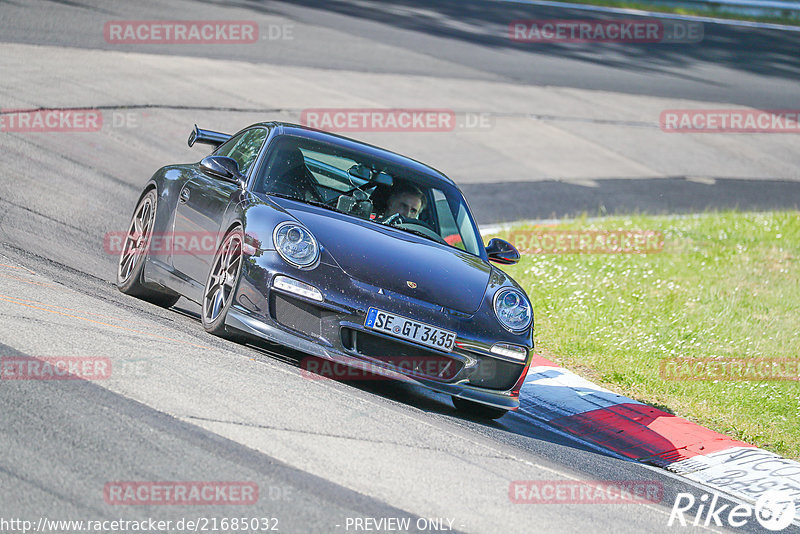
column 788, row 19
column 725, row 285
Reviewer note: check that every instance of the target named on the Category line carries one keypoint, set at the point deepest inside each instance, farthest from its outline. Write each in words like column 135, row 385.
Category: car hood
column 395, row 260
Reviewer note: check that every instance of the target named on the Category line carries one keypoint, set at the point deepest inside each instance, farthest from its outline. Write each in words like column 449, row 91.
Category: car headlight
column 512, row 309
column 296, row 244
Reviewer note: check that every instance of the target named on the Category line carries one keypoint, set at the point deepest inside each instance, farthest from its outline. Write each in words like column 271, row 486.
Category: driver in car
column 406, row 200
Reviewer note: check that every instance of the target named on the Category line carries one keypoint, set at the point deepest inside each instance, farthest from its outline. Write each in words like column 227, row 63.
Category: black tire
column 222, row 282
column 478, row 410
column 134, row 254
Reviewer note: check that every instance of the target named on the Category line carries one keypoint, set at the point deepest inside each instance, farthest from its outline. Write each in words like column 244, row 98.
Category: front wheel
column 477, row 409
column 134, row 254
column 223, row 279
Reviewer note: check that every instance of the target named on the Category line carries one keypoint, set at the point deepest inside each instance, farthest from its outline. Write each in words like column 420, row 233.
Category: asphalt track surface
column 188, row 406
column 468, row 39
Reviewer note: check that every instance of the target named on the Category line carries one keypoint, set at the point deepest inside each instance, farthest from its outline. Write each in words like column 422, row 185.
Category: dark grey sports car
column 338, row 249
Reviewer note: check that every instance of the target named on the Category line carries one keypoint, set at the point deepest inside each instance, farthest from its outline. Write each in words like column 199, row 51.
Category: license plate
column 404, row 328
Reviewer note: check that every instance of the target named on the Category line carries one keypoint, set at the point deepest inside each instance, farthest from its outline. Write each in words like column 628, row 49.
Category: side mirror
column 502, row 252
column 223, row 167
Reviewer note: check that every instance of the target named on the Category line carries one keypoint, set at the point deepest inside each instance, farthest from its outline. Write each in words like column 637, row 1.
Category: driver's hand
column 393, row 219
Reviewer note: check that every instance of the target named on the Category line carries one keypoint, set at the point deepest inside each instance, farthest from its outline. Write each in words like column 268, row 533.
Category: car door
column 202, row 204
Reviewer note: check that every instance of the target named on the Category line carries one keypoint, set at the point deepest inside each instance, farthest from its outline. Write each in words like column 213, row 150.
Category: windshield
column 369, row 188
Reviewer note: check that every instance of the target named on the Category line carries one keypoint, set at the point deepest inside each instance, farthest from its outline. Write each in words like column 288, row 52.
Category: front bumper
column 333, row 330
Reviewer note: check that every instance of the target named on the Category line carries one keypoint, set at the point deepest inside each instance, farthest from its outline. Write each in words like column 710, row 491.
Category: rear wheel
column 134, row 254
column 477, row 409
column 223, row 279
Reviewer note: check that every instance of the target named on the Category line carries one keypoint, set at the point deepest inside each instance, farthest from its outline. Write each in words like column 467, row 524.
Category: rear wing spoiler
column 207, row 137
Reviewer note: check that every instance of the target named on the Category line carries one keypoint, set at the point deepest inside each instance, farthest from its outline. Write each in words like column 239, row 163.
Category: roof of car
column 286, row 128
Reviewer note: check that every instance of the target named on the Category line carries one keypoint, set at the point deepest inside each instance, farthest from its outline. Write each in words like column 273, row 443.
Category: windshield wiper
column 312, row 202
column 415, row 232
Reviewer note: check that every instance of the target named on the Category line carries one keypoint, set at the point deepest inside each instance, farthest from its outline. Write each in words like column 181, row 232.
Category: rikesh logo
column 774, row 510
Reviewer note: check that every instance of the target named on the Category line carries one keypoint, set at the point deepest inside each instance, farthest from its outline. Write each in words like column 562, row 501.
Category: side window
column 244, row 148
column 225, row 148
column 448, row 228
